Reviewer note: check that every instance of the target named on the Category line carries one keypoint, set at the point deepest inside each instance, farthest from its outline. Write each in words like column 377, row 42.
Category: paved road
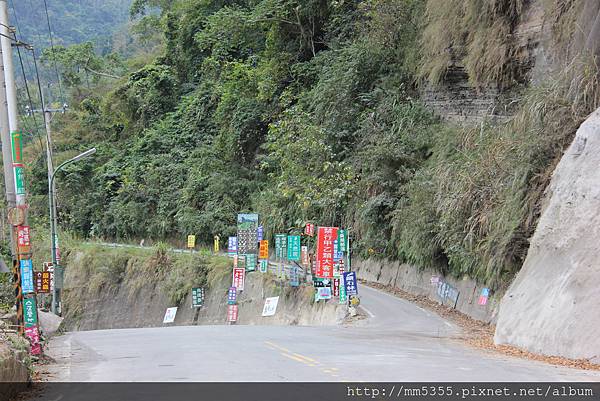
column 398, row 342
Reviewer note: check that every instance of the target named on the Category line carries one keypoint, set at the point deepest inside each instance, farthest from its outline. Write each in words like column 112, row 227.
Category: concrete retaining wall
column 418, row 282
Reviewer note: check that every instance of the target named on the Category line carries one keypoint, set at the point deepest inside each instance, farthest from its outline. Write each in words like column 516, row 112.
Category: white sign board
column 270, row 306
column 170, row 315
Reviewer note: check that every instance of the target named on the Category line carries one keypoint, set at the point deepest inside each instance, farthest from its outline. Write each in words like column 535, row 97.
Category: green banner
column 197, row 297
column 251, row 262
column 29, row 312
column 343, row 240
column 20, row 180
column 293, row 247
column 280, row 245
column 343, row 297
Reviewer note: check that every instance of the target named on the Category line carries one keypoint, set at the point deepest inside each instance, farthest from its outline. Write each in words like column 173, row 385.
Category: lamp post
column 53, row 223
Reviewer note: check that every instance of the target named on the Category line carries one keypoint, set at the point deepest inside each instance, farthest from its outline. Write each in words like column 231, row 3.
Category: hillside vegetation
column 311, row 111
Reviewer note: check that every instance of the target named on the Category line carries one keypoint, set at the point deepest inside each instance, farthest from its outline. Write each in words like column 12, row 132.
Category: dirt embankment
column 125, row 288
column 14, row 373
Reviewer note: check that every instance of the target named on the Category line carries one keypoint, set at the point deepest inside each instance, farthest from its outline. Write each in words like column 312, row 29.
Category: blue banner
column 26, row 276
column 350, row 283
column 232, row 296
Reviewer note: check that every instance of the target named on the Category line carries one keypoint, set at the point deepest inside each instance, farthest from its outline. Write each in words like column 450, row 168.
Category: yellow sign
column 216, row 243
column 191, row 241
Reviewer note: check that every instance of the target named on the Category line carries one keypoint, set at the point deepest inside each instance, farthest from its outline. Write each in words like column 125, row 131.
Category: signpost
column 294, row 277
column 232, row 313
column 323, row 293
column 239, row 275
column 270, row 306
column 350, row 283
column 326, row 236
column 483, row 298
column 170, row 315
column 232, row 296
column 26, row 276
column 30, row 312
column 293, row 248
column 197, row 297
column 251, row 262
column 23, row 240
column 264, row 265
column 43, row 282
column 247, row 225
column 232, row 247
column 280, row 245
column 263, row 251
column 191, row 241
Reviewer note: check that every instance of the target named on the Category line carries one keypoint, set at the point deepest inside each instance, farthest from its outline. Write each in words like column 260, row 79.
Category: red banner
column 325, row 251
column 232, row 313
column 239, row 275
column 309, row 229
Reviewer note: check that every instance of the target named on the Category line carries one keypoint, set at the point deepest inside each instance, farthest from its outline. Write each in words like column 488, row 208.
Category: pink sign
column 33, row 334
column 239, row 275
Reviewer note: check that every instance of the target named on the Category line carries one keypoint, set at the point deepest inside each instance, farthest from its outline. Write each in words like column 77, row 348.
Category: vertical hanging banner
column 43, row 282
column 264, row 265
column 326, row 237
column 33, row 334
column 232, row 296
column 235, row 261
column 263, row 250
column 19, row 173
column 336, row 287
column 293, row 248
column 250, row 262
column 247, row 226
column 23, row 240
column 239, row 276
column 294, row 277
column 304, row 256
column 30, row 312
column 309, row 229
column 197, row 297
column 342, row 294
column 26, row 276
column 191, row 241
column 260, row 233
column 342, row 240
column 350, row 283
column 232, row 313
column 232, row 247
column 280, row 245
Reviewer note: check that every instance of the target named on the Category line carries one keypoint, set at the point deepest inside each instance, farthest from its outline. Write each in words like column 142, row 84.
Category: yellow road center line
column 277, row 346
column 297, row 359
column 307, row 358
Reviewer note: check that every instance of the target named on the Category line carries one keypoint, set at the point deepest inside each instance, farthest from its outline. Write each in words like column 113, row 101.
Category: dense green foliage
column 72, row 21
column 309, row 111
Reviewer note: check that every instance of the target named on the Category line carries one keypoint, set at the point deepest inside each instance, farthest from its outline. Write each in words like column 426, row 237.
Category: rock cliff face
column 455, row 99
column 552, row 306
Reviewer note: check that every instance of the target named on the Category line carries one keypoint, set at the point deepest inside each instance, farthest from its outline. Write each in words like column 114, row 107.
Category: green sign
column 343, row 240
column 293, row 247
column 29, row 312
column 343, row 296
column 20, row 180
column 280, row 245
column 264, row 265
column 251, row 262
column 197, row 297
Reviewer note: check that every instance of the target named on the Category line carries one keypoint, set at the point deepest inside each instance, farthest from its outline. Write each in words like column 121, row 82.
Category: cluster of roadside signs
column 328, row 267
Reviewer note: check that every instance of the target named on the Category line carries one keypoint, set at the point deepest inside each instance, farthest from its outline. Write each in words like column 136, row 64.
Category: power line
column 52, row 47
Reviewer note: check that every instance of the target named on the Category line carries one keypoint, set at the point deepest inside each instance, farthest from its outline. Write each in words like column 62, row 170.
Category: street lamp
column 53, row 235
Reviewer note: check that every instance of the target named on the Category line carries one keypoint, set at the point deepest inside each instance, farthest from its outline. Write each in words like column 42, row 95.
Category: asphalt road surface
column 397, row 342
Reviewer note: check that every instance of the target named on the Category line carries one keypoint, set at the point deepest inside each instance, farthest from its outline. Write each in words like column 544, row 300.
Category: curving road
column 398, row 342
